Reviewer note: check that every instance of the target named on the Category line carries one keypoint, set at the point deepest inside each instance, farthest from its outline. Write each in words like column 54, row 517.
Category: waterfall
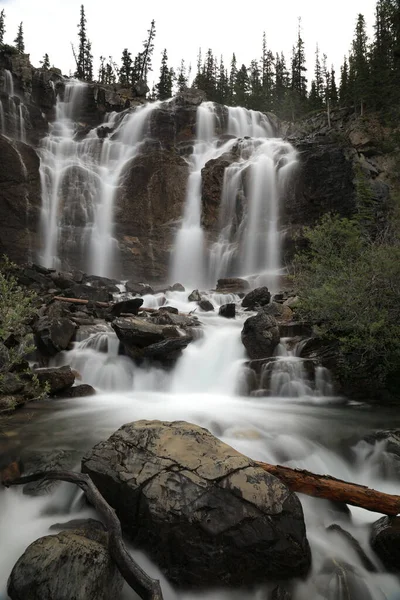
column 189, row 250
column 80, row 178
column 15, row 109
column 8, row 86
column 248, row 240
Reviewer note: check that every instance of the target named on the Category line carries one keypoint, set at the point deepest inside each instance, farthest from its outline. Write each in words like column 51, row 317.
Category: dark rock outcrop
column 194, row 296
column 385, row 541
column 206, row 514
column 228, row 311
column 206, row 305
column 258, row 297
column 58, row 379
column 260, row 335
column 233, row 285
column 126, row 306
column 53, row 335
column 71, row 564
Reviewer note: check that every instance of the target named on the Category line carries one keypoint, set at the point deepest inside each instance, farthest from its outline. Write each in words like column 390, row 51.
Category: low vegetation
column 350, row 289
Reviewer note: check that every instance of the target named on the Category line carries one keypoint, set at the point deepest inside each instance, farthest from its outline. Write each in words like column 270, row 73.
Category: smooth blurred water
column 202, row 389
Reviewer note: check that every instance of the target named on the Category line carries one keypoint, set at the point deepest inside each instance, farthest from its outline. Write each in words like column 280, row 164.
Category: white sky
column 182, row 26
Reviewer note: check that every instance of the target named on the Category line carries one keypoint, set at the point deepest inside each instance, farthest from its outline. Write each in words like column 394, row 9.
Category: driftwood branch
column 81, row 301
column 323, row 486
column 146, row 587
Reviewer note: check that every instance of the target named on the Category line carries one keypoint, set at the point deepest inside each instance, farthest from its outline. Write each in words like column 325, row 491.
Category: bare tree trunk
column 323, row 486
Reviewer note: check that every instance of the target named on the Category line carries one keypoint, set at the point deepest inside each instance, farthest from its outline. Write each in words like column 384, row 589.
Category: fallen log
column 82, row 301
column 146, row 587
column 323, row 486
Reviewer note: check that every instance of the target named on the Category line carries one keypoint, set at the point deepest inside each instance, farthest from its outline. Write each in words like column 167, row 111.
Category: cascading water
column 80, row 179
column 248, row 244
column 189, row 250
column 12, row 115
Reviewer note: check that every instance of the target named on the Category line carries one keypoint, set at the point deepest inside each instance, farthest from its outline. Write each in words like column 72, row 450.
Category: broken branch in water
column 146, row 587
column 323, row 486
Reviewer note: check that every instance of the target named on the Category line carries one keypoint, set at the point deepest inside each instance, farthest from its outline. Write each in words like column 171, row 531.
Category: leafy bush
column 350, row 289
column 17, row 309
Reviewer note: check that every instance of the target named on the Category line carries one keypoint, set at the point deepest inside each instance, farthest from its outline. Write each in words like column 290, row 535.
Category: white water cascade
column 188, row 264
column 80, row 179
column 248, row 243
column 12, row 110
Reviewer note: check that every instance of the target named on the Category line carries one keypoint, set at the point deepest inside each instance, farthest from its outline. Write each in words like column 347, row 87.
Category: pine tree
column 281, row 92
column 81, row 59
column 45, row 62
column 256, row 99
column 267, row 76
column 222, row 91
column 2, row 26
column 333, row 91
column 148, row 49
column 242, row 87
column 319, row 82
column 327, row 88
column 382, row 56
column 19, row 40
column 125, row 72
column 344, row 90
column 232, row 80
column 298, row 81
column 89, row 61
column 102, row 70
column 164, row 86
column 359, row 68
column 210, row 75
column 182, row 80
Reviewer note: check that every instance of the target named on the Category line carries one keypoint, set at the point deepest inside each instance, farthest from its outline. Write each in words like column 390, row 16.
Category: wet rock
column 169, row 309
column 126, row 306
column 355, row 545
column 232, row 285
column 10, row 472
column 206, row 305
column 88, row 292
column 72, row 564
column 177, row 320
column 166, row 352
column 58, row 379
column 206, row 514
column 53, row 335
column 281, row 593
column 140, row 289
column 228, row 311
column 281, row 312
column 339, row 580
column 35, row 461
column 391, row 437
column 177, row 287
column 137, row 333
column 256, row 298
column 194, row 296
column 78, row 391
column 10, row 403
column 260, row 335
column 385, row 541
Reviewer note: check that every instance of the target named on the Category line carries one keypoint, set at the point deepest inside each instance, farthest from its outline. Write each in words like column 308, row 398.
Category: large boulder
column 142, row 339
column 227, row 310
column 385, row 541
column 53, row 335
column 260, row 335
column 256, row 298
column 232, row 285
column 206, row 514
column 71, row 564
column 58, row 379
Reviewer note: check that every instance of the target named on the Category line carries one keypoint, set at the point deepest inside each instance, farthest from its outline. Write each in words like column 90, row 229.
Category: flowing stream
column 297, row 424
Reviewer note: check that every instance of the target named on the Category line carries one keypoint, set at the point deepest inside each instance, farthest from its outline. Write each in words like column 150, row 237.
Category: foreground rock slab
column 72, row 564
column 206, row 514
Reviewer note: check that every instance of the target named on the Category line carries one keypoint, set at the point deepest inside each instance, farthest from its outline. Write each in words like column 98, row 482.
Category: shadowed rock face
column 20, row 200
column 204, row 512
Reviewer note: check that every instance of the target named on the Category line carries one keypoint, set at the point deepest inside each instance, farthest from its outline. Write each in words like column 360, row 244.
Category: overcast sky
column 182, row 26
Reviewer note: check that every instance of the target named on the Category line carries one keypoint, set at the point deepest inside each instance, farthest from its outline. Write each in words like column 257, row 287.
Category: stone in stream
column 206, row 305
column 194, row 296
column 126, row 306
column 385, row 541
column 260, row 335
column 53, row 335
column 258, row 297
column 227, row 310
column 206, row 514
column 73, row 564
column 58, row 379
column 338, row 580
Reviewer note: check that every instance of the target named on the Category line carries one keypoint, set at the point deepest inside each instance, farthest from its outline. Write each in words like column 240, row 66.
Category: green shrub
column 350, row 289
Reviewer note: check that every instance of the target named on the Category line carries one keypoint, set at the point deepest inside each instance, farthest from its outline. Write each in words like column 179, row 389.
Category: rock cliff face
column 150, row 200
